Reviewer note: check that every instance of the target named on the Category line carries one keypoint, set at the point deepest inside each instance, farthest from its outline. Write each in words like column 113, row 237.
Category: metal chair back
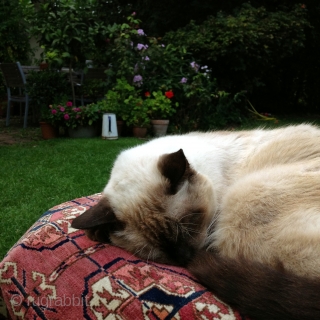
column 13, row 75
column 80, row 78
column 14, row 78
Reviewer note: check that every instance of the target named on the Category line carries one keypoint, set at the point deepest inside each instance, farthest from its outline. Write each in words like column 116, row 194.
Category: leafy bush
column 14, row 39
column 249, row 49
column 245, row 43
column 147, row 64
column 46, row 87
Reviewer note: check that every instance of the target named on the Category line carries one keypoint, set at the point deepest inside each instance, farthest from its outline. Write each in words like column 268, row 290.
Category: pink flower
column 69, row 104
column 66, row 117
column 62, row 109
column 53, row 111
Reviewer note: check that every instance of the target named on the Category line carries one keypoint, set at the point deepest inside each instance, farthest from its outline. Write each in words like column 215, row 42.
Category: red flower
column 303, row 6
column 147, row 94
column 169, row 94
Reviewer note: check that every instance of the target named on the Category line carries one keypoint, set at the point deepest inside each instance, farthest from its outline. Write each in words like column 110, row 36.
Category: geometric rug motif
column 56, row 272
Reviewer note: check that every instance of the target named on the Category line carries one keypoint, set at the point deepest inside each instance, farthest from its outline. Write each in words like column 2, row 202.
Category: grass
column 38, row 175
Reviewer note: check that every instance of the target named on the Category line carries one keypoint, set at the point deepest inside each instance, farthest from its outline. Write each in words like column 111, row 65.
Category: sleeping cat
column 240, row 210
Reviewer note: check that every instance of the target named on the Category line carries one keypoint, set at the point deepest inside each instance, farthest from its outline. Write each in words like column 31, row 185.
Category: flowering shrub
column 135, row 106
column 66, row 115
column 171, row 77
column 144, row 61
column 159, row 105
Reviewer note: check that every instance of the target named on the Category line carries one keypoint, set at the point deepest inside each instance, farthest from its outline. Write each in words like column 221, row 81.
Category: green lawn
column 38, row 175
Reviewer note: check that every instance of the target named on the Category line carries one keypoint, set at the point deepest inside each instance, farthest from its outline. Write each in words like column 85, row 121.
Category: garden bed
column 15, row 134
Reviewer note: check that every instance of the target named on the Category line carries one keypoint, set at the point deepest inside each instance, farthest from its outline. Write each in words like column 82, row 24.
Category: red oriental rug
column 56, row 272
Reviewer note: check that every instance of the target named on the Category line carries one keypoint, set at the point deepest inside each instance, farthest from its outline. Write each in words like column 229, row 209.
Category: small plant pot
column 48, row 131
column 83, row 132
column 139, row 132
column 160, row 127
column 120, row 125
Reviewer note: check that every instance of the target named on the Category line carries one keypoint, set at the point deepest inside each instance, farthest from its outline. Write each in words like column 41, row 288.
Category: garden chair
column 15, row 78
column 85, row 78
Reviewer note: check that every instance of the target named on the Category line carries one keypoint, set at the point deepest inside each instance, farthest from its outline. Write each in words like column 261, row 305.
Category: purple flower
column 137, row 80
column 184, row 80
column 146, row 58
column 140, row 46
column 162, row 45
column 66, row 117
column 133, row 13
column 140, row 32
column 194, row 66
column 62, row 109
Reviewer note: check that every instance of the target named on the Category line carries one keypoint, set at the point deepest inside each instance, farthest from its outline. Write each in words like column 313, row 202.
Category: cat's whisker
column 137, row 251
column 149, row 255
column 177, row 232
column 194, row 224
column 190, row 229
column 187, row 215
column 187, row 223
column 212, row 223
column 188, row 233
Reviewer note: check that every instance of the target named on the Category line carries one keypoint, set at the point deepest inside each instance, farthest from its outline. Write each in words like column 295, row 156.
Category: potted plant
column 138, row 117
column 80, row 121
column 160, row 109
column 113, row 102
column 125, row 101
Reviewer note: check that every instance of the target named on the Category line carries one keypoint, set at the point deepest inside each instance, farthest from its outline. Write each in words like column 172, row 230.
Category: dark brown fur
column 257, row 290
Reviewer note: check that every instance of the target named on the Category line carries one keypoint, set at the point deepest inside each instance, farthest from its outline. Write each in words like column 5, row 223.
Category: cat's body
column 246, row 197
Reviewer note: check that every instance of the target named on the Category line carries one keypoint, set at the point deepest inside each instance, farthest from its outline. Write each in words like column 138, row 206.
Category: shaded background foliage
column 266, row 48
column 282, row 77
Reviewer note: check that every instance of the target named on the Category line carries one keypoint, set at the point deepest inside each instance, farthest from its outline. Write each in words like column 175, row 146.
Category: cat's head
column 156, row 209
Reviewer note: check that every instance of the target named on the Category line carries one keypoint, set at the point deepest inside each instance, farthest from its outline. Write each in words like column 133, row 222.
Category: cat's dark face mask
column 159, row 236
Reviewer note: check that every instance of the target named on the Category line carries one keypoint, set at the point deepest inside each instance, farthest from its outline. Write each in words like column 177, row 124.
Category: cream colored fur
column 259, row 192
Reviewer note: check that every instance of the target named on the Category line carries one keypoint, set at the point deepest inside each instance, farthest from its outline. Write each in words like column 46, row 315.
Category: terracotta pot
column 160, row 127
column 120, row 125
column 48, row 131
column 44, row 66
column 139, row 132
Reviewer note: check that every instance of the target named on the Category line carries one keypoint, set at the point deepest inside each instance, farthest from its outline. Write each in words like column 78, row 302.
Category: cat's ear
column 175, row 167
column 99, row 214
